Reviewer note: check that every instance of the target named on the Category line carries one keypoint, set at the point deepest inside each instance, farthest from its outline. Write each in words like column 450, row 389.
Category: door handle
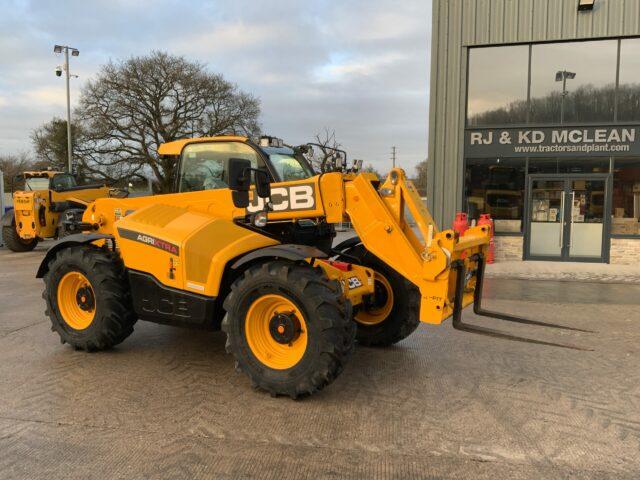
column 561, row 239
column 573, row 201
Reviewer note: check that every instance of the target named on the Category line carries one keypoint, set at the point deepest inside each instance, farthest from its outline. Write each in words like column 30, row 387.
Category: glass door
column 586, row 222
column 546, row 214
column 567, row 218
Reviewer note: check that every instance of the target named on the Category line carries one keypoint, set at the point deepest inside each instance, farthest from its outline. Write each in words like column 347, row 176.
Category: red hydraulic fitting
column 461, row 223
column 485, row 219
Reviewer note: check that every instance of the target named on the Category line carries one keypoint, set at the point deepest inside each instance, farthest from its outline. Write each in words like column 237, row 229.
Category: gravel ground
column 167, row 403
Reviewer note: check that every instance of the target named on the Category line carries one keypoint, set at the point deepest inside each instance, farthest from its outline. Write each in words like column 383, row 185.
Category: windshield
column 289, row 167
column 36, row 183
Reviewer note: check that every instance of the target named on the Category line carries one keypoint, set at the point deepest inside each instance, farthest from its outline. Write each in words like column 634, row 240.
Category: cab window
column 205, row 166
column 62, row 182
column 289, row 167
column 36, row 183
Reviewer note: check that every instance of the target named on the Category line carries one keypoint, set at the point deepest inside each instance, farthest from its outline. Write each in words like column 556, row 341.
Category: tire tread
column 117, row 318
column 328, row 308
column 12, row 240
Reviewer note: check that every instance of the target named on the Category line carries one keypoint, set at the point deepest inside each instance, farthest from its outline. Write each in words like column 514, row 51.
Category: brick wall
column 508, row 248
column 625, row 251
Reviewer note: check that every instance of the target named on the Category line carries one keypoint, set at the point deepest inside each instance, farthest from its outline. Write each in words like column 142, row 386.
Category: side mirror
column 263, row 184
column 239, row 174
column 239, row 181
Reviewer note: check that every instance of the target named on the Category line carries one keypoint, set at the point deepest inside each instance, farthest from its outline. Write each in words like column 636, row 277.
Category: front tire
column 394, row 312
column 12, row 239
column 288, row 328
column 88, row 298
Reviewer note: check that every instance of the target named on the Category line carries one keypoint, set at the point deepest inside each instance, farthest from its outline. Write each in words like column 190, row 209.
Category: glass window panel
column 37, row 183
column 205, row 166
column 63, row 181
column 546, row 211
column 587, row 202
column 629, row 89
column 626, row 197
column 498, row 79
column 496, row 186
column 569, row 165
column 586, row 70
column 290, row 167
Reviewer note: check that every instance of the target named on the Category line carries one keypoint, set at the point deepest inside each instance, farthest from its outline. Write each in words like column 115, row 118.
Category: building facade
column 535, row 119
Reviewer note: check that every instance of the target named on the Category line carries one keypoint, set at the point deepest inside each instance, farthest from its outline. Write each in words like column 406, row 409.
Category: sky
column 359, row 67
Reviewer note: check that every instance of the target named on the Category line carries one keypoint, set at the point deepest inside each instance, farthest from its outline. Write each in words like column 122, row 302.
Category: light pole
column 74, row 52
column 563, row 76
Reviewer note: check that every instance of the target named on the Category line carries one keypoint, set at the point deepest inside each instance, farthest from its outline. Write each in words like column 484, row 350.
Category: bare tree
column 135, row 105
column 12, row 165
column 421, row 177
column 328, row 144
column 50, row 145
column 369, row 168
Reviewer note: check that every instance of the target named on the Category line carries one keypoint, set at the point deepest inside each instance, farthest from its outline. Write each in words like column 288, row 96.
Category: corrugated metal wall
column 458, row 24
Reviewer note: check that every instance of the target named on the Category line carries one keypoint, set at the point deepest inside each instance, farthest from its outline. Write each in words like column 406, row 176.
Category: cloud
column 342, row 66
column 44, row 96
column 235, row 36
column 359, row 67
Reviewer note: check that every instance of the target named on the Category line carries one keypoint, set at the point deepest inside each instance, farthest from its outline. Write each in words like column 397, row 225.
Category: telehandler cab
column 49, row 202
column 245, row 245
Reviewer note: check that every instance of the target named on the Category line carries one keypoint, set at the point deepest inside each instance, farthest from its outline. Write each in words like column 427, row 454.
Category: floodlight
column 586, row 5
column 562, row 74
column 59, row 70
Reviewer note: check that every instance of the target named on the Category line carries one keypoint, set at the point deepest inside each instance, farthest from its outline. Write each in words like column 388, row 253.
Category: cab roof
column 175, row 148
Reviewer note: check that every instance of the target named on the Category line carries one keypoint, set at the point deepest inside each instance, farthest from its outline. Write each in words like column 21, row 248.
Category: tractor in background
column 48, row 206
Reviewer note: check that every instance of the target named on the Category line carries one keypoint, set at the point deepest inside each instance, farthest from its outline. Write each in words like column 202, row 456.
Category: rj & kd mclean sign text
column 555, row 142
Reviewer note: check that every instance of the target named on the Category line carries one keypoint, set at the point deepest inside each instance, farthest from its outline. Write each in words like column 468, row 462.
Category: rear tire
column 383, row 324
column 12, row 240
column 97, row 278
column 317, row 331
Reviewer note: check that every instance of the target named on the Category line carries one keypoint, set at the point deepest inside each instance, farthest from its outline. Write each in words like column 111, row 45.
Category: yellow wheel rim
column 379, row 312
column 76, row 300
column 276, row 332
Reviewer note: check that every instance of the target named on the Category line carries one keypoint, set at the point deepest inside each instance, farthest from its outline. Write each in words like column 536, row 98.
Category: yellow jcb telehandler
column 48, row 207
column 245, row 245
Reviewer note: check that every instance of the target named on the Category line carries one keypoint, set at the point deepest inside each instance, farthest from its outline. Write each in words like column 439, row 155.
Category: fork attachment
column 461, row 279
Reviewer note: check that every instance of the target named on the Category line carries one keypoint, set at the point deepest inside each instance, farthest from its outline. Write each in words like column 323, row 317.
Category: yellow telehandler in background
column 48, row 203
column 245, row 245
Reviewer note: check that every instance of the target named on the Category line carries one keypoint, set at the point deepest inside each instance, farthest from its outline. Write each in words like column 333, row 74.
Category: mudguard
column 66, row 242
column 7, row 218
column 288, row 250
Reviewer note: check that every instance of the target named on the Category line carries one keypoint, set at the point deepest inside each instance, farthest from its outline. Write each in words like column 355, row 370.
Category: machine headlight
column 260, row 219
